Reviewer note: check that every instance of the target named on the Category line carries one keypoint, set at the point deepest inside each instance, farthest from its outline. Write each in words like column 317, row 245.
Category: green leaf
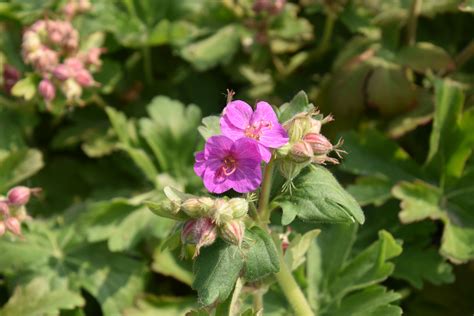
column 458, row 241
column 425, row 56
column 216, row 270
column 210, row 126
column 298, row 104
column 442, row 156
column 372, row 301
column 40, row 297
column 216, row 49
column 369, row 267
column 18, row 165
column 372, row 154
column 162, row 306
column 336, row 274
column 295, row 254
column 261, row 258
column 319, row 198
column 171, row 133
column 25, row 88
column 419, row 201
column 370, row 190
column 416, row 265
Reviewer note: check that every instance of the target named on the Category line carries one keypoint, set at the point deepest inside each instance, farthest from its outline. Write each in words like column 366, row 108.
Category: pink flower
column 226, row 164
column 261, row 125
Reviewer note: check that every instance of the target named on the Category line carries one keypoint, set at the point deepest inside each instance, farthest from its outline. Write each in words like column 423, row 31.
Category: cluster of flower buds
column 307, row 145
column 11, row 75
column 205, row 219
column 74, row 7
column 13, row 211
column 269, row 7
column 51, row 48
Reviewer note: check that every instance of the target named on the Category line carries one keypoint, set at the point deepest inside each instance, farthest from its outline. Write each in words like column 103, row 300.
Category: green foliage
column 319, row 198
column 261, row 258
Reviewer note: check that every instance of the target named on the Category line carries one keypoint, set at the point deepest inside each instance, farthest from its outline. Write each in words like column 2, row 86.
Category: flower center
column 255, row 130
column 229, row 165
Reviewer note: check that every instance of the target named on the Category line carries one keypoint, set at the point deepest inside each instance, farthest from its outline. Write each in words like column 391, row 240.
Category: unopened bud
column 197, row 207
column 2, row 228
column 239, row 207
column 298, row 126
column 62, row 72
column 200, row 232
column 71, row 89
column 301, row 152
column 233, row 232
column 19, row 196
column 13, row 225
column 319, row 143
column 10, row 77
column 47, row 89
column 84, row 78
column 221, row 211
column 4, row 209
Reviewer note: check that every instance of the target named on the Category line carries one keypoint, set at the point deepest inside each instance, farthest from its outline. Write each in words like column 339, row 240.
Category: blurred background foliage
column 384, row 69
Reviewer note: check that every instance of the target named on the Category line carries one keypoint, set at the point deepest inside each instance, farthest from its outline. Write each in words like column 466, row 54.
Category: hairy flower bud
column 200, row 232
column 301, row 152
column 239, row 207
column 4, row 209
column 10, row 77
column 19, row 196
column 319, row 143
column 84, row 78
column 221, row 211
column 47, row 89
column 71, row 89
column 298, row 126
column 13, row 225
column 62, row 72
column 197, row 207
column 233, row 232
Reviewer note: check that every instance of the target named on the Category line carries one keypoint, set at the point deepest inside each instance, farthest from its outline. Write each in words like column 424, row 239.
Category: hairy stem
column 292, row 291
column 257, row 301
column 415, row 9
column 285, row 278
column 263, row 209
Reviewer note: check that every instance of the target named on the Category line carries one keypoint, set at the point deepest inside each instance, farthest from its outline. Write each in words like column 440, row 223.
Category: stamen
column 255, row 130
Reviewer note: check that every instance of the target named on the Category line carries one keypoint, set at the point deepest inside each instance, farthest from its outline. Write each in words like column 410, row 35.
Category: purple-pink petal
column 264, row 112
column 200, row 164
column 230, row 130
column 265, row 153
column 238, row 113
column 246, row 148
column 215, row 183
column 274, row 137
column 246, row 179
column 217, row 147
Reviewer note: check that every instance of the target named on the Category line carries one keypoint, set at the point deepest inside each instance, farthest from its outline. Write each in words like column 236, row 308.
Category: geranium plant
column 232, row 239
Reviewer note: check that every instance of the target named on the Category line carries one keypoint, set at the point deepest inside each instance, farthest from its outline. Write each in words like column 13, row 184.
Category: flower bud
column 47, row 89
column 10, row 77
column 19, row 196
column 84, row 78
column 2, row 228
column 197, row 207
column 319, row 143
column 71, row 89
column 233, row 232
column 13, row 225
column 301, row 152
column 62, row 72
column 239, row 207
column 4, row 209
column 200, row 232
column 221, row 211
column 322, row 159
column 93, row 56
column 298, row 126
